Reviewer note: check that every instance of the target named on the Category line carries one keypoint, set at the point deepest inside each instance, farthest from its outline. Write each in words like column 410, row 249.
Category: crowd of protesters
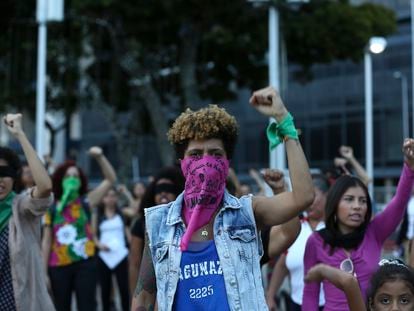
column 195, row 237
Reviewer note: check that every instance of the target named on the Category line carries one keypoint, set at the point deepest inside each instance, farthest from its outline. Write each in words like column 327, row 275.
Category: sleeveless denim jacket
column 238, row 244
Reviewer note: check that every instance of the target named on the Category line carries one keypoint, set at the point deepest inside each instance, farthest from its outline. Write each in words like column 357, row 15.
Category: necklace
column 204, row 232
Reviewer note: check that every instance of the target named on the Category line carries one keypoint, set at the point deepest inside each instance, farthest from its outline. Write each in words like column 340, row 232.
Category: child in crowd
column 391, row 287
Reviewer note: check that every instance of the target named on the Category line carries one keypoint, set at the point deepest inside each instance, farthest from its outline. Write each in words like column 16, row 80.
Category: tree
column 324, row 31
column 154, row 58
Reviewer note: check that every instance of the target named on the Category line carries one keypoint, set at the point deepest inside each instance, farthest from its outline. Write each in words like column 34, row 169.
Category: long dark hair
column 331, row 234
column 13, row 160
column 59, row 174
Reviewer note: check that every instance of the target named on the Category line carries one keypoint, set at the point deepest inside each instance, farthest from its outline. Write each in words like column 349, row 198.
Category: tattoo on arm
column 146, row 289
column 146, row 279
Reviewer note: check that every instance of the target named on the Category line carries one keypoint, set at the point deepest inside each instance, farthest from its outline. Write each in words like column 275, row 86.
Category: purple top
column 365, row 257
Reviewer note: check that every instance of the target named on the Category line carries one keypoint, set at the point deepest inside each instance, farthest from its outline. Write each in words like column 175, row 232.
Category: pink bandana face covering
column 205, row 181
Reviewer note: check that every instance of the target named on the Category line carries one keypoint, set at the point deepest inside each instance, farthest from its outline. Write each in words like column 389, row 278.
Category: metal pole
column 41, row 89
column 369, row 144
column 412, row 64
column 277, row 156
column 404, row 97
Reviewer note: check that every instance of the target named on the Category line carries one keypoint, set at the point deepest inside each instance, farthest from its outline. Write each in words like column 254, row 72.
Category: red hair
column 59, row 174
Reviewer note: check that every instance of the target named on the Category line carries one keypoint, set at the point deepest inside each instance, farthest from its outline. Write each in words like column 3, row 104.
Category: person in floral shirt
column 68, row 246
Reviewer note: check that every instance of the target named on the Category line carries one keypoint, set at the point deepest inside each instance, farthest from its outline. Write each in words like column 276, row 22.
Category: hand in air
column 268, row 102
column 408, row 150
column 13, row 123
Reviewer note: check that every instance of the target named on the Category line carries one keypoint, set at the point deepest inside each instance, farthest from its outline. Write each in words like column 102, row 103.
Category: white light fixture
column 377, row 45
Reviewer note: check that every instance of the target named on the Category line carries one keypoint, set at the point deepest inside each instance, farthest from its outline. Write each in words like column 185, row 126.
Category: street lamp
column 375, row 45
column 404, row 101
column 412, row 58
column 277, row 156
column 46, row 10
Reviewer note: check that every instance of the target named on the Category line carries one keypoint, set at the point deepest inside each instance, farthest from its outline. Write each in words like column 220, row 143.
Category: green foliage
column 227, row 38
column 88, row 4
column 322, row 31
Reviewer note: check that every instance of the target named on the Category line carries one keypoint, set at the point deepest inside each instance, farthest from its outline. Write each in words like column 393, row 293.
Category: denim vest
column 238, row 244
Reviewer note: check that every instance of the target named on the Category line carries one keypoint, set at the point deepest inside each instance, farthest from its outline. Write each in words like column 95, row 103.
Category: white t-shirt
column 113, row 235
column 410, row 213
column 294, row 263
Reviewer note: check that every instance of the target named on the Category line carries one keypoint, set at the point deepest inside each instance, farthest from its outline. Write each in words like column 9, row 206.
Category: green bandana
column 277, row 133
column 71, row 186
column 6, row 209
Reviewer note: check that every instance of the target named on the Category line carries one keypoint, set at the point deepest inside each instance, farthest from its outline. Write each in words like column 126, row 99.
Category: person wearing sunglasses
column 166, row 186
column 351, row 240
column 22, row 277
column 202, row 251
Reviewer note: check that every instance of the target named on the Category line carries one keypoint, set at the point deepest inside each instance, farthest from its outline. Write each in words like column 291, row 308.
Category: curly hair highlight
column 205, row 123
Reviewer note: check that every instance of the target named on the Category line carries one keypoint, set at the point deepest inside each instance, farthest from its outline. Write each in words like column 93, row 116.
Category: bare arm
column 259, row 182
column 46, row 245
column 279, row 273
column 136, row 248
column 125, row 192
column 46, row 249
column 127, row 234
column 411, row 253
column 282, row 236
column 283, row 207
column 341, row 164
column 348, row 153
column 108, row 172
column 131, row 210
column 342, row 280
column 146, row 289
column 42, row 180
column 94, row 228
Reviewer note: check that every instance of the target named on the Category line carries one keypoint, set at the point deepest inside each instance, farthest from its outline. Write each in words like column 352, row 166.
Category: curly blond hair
column 205, row 123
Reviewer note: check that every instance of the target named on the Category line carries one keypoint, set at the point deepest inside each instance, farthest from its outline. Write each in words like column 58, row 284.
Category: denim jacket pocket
column 245, row 233
column 245, row 237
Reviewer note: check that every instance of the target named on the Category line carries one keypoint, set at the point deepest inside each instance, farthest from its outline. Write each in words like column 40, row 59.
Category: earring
column 370, row 304
column 334, row 218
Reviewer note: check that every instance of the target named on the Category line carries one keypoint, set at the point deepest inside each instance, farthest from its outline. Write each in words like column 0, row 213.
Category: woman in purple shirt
column 351, row 241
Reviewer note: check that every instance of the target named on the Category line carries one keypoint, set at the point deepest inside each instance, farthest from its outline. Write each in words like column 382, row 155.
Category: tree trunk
column 88, row 87
column 152, row 102
column 188, row 68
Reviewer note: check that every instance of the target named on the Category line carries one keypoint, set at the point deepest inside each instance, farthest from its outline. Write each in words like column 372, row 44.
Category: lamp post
column 404, row 102
column 46, row 10
column 376, row 45
column 277, row 156
column 412, row 59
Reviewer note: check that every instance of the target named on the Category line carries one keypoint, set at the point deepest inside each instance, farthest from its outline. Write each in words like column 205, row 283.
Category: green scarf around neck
column 71, row 186
column 6, row 209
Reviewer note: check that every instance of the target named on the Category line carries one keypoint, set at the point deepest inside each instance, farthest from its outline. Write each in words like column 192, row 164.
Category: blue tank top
column 201, row 284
